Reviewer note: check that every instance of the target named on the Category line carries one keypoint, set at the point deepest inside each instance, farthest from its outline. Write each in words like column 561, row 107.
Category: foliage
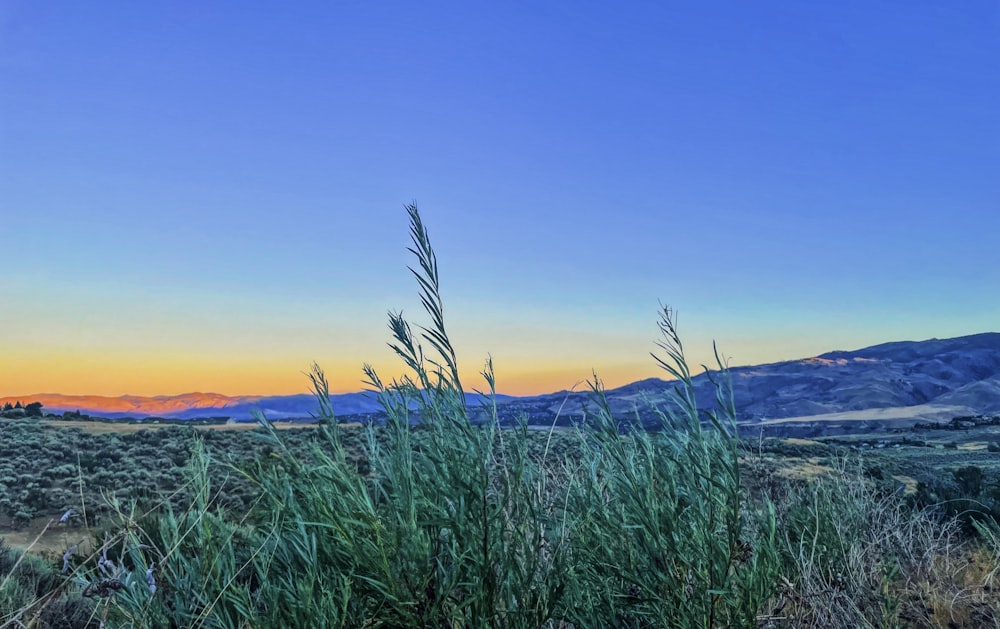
column 689, row 551
column 969, row 493
column 854, row 549
column 32, row 592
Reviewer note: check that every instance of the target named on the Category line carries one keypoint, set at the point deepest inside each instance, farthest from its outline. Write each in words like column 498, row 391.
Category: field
column 65, row 481
column 914, row 456
column 776, row 470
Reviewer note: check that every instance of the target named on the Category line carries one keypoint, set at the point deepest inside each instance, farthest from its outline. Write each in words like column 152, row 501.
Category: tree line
column 32, row 409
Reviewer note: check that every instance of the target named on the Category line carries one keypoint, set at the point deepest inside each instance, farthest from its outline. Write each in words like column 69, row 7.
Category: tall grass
column 663, row 534
column 449, row 522
column 454, row 523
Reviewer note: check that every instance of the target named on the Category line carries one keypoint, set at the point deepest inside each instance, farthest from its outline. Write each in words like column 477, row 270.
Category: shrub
column 852, row 550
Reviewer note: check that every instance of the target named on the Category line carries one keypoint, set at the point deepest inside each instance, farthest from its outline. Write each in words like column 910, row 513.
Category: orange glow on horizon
column 113, row 376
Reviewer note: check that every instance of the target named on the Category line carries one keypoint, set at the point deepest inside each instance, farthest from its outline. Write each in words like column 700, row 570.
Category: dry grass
column 859, row 557
column 910, row 484
column 795, row 441
column 803, row 469
column 955, row 591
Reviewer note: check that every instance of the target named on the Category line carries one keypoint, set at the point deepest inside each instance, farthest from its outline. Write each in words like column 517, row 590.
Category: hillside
column 932, row 378
column 961, row 374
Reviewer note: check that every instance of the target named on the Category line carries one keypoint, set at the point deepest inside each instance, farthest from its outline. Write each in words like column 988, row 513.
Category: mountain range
column 905, row 380
column 205, row 405
column 937, row 379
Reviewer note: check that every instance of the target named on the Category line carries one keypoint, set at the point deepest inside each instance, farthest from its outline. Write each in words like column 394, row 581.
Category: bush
column 854, row 549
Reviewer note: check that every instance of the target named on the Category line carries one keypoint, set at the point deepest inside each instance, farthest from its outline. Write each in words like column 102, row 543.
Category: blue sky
column 210, row 197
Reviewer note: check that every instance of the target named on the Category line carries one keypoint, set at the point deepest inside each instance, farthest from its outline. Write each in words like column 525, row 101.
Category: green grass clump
column 451, row 523
column 665, row 534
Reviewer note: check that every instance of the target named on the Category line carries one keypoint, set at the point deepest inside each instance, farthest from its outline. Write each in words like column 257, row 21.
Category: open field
column 102, row 458
column 902, row 414
column 48, row 466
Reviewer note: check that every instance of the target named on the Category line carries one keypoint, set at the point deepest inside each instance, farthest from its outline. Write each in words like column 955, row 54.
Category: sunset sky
column 209, row 196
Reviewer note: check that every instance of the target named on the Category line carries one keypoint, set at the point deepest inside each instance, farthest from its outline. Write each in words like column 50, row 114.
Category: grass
column 443, row 522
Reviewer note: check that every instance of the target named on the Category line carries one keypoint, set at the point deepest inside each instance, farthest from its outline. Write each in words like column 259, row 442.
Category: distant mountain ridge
column 933, row 377
column 199, row 405
column 938, row 376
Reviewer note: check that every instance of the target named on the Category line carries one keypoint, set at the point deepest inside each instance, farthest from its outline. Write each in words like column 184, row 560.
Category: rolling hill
column 932, row 379
column 914, row 380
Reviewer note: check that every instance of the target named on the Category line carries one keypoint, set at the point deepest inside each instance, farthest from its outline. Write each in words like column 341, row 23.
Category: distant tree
column 34, row 409
column 8, row 406
column 18, row 405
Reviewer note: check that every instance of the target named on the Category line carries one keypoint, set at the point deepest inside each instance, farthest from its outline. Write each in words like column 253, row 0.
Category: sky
column 209, row 196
